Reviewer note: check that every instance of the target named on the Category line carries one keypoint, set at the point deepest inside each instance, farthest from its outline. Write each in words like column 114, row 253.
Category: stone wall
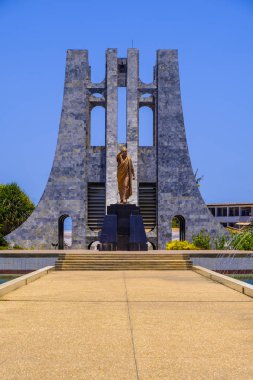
column 147, row 164
column 96, row 164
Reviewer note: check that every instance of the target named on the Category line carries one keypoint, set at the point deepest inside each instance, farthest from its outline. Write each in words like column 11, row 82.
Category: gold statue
column 125, row 175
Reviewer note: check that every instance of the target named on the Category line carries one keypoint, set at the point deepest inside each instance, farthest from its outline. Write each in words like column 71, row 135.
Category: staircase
column 122, row 261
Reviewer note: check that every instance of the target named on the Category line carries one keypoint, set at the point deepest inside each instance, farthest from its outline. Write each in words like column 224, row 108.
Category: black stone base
column 123, row 229
column 107, row 247
column 137, row 247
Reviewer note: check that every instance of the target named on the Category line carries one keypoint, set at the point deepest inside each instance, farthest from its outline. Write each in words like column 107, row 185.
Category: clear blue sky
column 215, row 43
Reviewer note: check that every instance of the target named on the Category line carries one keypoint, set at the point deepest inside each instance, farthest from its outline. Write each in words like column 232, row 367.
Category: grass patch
column 242, row 276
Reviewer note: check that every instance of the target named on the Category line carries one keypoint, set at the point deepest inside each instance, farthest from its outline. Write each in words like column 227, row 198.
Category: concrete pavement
column 126, row 325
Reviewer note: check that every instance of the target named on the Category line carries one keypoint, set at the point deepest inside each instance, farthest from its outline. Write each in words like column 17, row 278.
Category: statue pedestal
column 123, row 229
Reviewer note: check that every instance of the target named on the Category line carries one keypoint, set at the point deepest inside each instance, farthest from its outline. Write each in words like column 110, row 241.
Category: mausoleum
column 83, row 179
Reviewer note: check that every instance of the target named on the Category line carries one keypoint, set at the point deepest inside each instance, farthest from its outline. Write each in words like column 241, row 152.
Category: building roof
column 230, row 204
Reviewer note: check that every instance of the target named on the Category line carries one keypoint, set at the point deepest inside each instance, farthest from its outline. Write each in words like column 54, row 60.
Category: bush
column 16, row 246
column 202, row 240
column 221, row 242
column 242, row 241
column 3, row 242
column 180, row 245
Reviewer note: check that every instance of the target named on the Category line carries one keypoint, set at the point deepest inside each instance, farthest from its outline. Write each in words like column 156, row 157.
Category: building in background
column 235, row 215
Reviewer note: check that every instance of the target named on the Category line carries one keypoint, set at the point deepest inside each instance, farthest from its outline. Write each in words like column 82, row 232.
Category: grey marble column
column 133, row 114
column 111, row 126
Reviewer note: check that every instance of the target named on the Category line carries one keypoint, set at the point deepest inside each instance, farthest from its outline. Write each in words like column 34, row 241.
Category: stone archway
column 62, row 241
column 179, row 221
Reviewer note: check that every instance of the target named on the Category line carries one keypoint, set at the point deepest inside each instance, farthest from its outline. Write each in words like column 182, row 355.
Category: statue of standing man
column 125, row 175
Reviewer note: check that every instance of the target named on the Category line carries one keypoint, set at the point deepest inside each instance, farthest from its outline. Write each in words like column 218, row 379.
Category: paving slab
column 126, row 325
column 184, row 286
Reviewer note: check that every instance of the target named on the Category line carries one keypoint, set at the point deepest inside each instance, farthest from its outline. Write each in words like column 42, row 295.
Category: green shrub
column 3, row 242
column 16, row 246
column 202, row 240
column 242, row 241
column 180, row 245
column 221, row 242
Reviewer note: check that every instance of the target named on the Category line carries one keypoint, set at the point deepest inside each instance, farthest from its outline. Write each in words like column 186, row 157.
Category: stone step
column 123, row 261
column 126, row 262
column 124, row 253
column 122, row 267
column 131, row 257
column 121, row 255
column 118, row 261
column 118, row 269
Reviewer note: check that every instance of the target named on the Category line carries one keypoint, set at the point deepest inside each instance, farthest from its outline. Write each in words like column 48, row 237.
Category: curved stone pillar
column 65, row 192
column 178, row 193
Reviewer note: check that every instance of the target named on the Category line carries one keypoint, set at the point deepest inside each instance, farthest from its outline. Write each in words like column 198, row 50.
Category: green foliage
column 243, row 276
column 180, row 245
column 175, row 223
column 202, row 240
column 242, row 241
column 15, row 208
column 16, row 246
column 3, row 242
column 221, row 242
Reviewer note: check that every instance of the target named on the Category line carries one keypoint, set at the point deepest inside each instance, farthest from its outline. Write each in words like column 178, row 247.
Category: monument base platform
column 123, row 229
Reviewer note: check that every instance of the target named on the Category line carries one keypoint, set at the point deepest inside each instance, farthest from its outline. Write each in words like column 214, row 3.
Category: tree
column 15, row 207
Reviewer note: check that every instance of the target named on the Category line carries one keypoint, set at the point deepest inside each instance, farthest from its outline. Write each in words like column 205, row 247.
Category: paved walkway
column 126, row 325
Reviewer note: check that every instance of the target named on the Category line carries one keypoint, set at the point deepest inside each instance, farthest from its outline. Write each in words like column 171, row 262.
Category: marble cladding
column 111, row 125
column 132, row 114
column 25, row 263
column 224, row 263
column 96, row 164
column 147, row 164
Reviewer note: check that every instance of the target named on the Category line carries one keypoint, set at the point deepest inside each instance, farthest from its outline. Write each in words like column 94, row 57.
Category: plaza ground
column 126, row 325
